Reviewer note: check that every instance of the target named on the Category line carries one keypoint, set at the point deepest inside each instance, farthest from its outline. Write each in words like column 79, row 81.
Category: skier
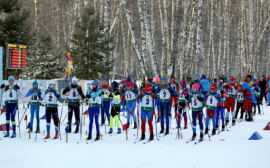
column 196, row 100
column 175, row 87
column 231, row 100
column 35, row 94
column 130, row 98
column 221, row 104
column 75, row 91
column 165, row 91
column 121, row 86
column 183, row 96
column 147, row 110
column 212, row 100
column 10, row 94
column 94, row 97
column 257, row 92
column 195, row 80
column 50, row 97
column 105, row 107
column 249, row 99
column 205, row 86
column 115, row 107
column 154, row 87
column 240, row 101
column 268, row 90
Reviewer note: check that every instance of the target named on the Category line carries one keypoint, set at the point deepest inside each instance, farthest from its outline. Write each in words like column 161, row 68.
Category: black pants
column 114, row 111
column 238, row 107
column 258, row 105
column 76, row 110
column 263, row 95
column 54, row 113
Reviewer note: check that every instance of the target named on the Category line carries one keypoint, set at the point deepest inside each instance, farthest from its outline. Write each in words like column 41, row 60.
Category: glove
column 17, row 87
column 88, row 96
column 111, row 98
column 64, row 93
column 2, row 86
column 102, row 93
column 56, row 94
column 83, row 97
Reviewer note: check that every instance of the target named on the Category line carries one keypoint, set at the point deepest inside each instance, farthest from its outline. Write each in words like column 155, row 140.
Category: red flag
column 58, row 120
column 124, row 127
column 85, row 113
column 25, row 117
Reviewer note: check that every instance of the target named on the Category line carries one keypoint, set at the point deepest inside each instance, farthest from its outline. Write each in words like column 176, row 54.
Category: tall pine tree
column 14, row 28
column 90, row 46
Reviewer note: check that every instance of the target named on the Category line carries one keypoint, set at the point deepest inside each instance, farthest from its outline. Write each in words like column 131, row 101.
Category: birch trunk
column 115, row 20
column 198, row 43
column 211, row 45
column 259, row 60
column 239, row 43
column 166, row 28
column 251, row 37
column 225, row 37
column 164, row 43
column 36, row 14
column 172, row 34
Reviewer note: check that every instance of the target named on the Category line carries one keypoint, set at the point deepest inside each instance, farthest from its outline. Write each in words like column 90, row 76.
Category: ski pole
column 64, row 118
column 37, row 117
column 156, row 123
column 25, row 110
column 138, row 125
column 81, row 122
column 60, row 120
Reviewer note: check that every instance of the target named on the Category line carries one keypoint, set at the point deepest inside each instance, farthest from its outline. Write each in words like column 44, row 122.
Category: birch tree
column 198, row 43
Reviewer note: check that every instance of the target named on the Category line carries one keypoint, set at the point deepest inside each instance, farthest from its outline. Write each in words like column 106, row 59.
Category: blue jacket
column 205, row 85
column 250, row 90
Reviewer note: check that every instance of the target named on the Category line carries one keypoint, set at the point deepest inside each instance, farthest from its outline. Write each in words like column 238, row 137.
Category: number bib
column 232, row 92
column 95, row 101
column 107, row 92
column 116, row 101
column 50, row 100
column 147, row 103
column 181, row 98
column 240, row 97
column 164, row 95
column 74, row 95
column 130, row 96
column 10, row 96
column 212, row 102
column 35, row 99
column 196, row 104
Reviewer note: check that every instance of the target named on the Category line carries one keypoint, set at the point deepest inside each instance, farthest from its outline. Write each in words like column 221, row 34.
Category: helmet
column 148, row 88
column 213, row 88
column 115, row 85
column 52, row 85
column 196, row 86
column 74, row 79
column 95, row 82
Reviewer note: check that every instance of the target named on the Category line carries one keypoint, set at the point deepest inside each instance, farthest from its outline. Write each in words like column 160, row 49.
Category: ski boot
column 37, row 130
column 201, row 137
column 98, row 137
column 128, row 125
column 30, row 129
column 102, row 123
column 223, row 128
column 193, row 137
column 89, row 137
column 167, row 131
column 143, row 136
column 48, row 136
column 227, row 121
column 246, row 117
column 69, row 129
column 213, row 132
column 13, row 135
column 76, row 130
column 56, row 135
column 135, row 125
column 7, row 134
column 162, row 130
column 233, row 122
column 119, row 131
column 206, row 131
column 217, row 127
column 185, row 127
column 110, row 131
column 151, row 137
column 158, row 120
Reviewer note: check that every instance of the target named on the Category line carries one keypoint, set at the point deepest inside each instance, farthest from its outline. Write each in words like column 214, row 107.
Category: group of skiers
column 156, row 97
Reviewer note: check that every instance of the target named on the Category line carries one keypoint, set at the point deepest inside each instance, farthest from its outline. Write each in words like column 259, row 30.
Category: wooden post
column 126, row 135
column 66, row 137
column 26, row 123
column 178, row 134
column 29, row 133
column 83, row 119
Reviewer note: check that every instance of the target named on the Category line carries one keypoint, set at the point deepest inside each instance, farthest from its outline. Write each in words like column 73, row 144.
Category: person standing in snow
column 147, row 110
column 249, row 99
column 183, row 96
column 262, row 85
column 35, row 94
column 121, row 86
column 115, row 99
column 230, row 103
column 205, row 86
column 50, row 98
column 10, row 94
column 74, row 93
column 94, row 97
column 165, row 91
column 154, row 87
column 195, row 80
column 257, row 91
column 175, row 87
column 240, row 102
column 105, row 107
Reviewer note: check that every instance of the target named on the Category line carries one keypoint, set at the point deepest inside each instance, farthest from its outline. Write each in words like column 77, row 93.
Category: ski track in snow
column 115, row 151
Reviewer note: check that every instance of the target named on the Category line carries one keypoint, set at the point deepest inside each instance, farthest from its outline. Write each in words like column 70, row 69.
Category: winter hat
column 148, row 88
column 150, row 80
column 232, row 80
column 249, row 76
column 123, row 77
column 95, row 82
column 115, row 85
column 239, row 86
column 196, row 75
column 51, row 85
column 11, row 78
column 172, row 79
column 35, row 83
column 106, row 80
column 128, row 84
column 74, row 79
column 196, row 86
column 129, row 77
column 263, row 76
column 163, row 78
column 163, row 75
column 254, row 80
column 213, row 88
column 183, row 83
column 203, row 76
column 157, row 79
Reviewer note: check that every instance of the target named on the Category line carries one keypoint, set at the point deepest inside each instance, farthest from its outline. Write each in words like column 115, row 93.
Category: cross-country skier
column 249, row 99
column 183, row 96
column 154, row 87
column 50, row 97
column 165, row 92
column 230, row 102
column 94, row 97
column 240, row 102
column 257, row 92
column 212, row 100
column 195, row 80
column 10, row 94
column 121, row 86
column 73, row 99
column 35, row 94
column 175, row 87
column 115, row 98
column 105, row 105
column 130, row 98
column 147, row 110
column 196, row 100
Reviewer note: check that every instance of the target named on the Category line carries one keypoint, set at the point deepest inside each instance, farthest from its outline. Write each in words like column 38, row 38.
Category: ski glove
column 17, row 87
column 2, row 86
column 88, row 96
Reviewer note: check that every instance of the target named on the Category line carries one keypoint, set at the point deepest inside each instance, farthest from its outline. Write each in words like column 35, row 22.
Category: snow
column 115, row 151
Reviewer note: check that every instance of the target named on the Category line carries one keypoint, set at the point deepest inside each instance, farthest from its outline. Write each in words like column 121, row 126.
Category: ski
column 89, row 141
column 222, row 139
column 200, row 140
column 147, row 141
column 138, row 141
column 190, row 140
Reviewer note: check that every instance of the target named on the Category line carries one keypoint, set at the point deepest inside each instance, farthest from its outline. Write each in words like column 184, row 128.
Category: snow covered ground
column 115, row 151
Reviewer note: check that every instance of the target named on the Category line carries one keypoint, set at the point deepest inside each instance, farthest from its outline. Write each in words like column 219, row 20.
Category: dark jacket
column 262, row 84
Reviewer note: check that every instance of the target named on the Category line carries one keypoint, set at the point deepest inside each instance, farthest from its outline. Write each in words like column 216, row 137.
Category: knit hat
column 183, row 83
column 123, row 77
column 115, row 85
column 196, row 75
column 148, row 88
column 11, row 78
column 249, row 76
column 196, row 86
column 150, row 80
column 35, row 83
column 163, row 78
column 254, row 80
column 129, row 77
column 157, row 79
column 128, row 84
column 203, row 76
column 213, row 87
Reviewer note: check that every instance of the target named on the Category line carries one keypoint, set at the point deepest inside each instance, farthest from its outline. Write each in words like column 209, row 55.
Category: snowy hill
column 115, row 151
